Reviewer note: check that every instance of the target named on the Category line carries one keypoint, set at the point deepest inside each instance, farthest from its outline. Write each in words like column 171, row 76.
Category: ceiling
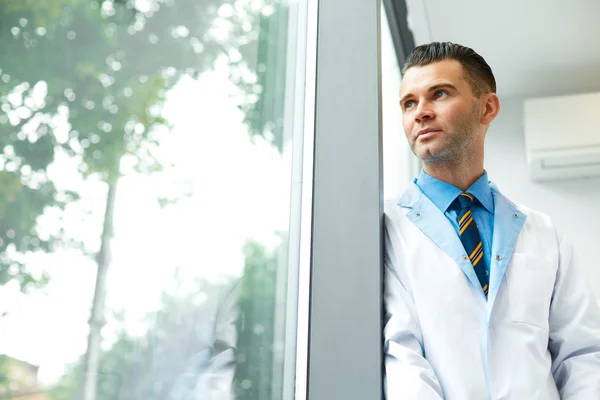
column 535, row 47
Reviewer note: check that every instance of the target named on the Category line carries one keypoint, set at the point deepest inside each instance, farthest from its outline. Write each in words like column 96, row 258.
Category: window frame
column 345, row 341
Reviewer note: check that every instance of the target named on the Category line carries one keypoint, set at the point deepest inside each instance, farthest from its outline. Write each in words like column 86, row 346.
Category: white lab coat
column 537, row 337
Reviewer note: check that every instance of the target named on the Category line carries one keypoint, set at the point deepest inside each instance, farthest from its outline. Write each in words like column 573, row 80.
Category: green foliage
column 103, row 68
column 4, row 378
column 107, row 66
column 264, row 115
column 149, row 366
column 256, row 325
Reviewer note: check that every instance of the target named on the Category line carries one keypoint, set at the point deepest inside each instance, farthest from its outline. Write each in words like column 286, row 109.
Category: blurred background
column 145, row 198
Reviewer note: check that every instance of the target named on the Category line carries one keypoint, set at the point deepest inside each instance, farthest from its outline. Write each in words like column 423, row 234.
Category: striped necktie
column 471, row 240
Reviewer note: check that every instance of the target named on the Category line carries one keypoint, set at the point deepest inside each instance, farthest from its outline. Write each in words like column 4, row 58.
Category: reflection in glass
column 145, row 172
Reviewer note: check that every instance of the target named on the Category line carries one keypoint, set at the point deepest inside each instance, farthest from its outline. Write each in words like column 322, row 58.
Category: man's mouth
column 426, row 133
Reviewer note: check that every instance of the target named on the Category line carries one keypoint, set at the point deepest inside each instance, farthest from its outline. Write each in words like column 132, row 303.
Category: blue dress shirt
column 442, row 194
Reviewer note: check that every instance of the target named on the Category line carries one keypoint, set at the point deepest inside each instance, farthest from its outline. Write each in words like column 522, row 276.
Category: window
column 149, row 200
column 400, row 165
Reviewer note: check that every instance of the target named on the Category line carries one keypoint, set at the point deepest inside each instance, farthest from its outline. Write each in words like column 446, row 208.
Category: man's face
column 440, row 114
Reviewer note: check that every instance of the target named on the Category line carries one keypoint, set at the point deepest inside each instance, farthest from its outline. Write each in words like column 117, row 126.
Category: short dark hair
column 477, row 71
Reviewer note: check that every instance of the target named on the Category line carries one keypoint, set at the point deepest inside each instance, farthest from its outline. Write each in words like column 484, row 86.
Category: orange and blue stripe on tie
column 471, row 239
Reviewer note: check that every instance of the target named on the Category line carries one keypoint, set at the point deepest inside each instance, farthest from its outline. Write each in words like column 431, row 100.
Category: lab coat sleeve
column 408, row 374
column 574, row 330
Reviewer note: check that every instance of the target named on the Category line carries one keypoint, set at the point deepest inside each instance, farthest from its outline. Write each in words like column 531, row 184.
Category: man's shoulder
column 533, row 215
column 540, row 225
column 538, row 234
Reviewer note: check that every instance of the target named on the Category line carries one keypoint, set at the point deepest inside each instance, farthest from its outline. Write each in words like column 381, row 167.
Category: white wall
column 573, row 205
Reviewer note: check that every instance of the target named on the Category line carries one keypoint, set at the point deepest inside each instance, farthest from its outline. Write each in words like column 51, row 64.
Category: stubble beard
column 458, row 141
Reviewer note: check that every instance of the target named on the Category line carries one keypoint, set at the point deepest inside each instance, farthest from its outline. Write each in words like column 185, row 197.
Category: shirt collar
column 442, row 194
column 482, row 192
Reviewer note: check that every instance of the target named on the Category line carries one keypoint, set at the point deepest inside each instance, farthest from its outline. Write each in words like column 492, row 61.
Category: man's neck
column 460, row 175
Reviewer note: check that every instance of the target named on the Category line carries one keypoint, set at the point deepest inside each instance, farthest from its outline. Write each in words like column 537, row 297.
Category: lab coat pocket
column 530, row 281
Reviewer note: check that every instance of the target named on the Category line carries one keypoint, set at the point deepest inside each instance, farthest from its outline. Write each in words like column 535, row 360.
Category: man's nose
column 424, row 111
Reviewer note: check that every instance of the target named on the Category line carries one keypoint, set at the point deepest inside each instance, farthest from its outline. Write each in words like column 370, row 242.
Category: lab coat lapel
column 434, row 224
column 508, row 223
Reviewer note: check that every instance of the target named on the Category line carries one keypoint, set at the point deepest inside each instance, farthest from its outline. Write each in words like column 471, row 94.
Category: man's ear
column 491, row 108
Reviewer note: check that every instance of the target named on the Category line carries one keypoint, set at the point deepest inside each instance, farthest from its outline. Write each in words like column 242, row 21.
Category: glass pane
column 145, row 198
column 399, row 163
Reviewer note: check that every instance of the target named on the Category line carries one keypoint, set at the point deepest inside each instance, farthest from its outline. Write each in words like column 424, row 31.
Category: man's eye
column 408, row 104
column 440, row 93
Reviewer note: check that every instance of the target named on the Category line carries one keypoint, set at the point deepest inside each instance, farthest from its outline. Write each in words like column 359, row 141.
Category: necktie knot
column 464, row 200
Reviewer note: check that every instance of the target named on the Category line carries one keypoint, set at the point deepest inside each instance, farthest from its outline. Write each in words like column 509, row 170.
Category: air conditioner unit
column 562, row 137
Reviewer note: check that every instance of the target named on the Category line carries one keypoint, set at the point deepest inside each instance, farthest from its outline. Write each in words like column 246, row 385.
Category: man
column 484, row 300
